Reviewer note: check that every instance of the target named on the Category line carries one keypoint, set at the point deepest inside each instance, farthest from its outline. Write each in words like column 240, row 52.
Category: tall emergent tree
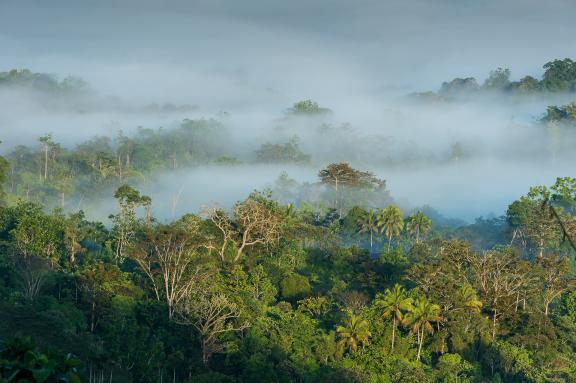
column 532, row 217
column 253, row 222
column 418, row 224
column 4, row 166
column 501, row 279
column 420, row 320
column 126, row 222
column 169, row 258
column 394, row 303
column 369, row 224
column 46, row 142
column 341, row 176
column 391, row 222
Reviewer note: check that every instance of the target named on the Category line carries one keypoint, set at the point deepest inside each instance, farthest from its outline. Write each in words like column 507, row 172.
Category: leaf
column 73, row 377
column 73, row 362
column 41, row 375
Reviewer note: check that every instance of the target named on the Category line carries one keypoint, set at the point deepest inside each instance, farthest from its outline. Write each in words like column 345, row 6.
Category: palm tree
column 468, row 302
column 369, row 223
column 468, row 299
column 420, row 320
column 418, row 224
column 393, row 303
column 354, row 332
column 391, row 222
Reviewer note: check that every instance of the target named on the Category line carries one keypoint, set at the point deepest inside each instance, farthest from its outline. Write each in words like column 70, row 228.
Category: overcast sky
column 217, row 50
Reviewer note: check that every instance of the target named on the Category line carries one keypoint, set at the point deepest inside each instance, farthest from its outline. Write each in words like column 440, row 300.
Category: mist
column 244, row 64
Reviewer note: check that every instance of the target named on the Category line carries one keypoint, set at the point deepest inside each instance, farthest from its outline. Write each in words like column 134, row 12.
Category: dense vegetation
column 272, row 292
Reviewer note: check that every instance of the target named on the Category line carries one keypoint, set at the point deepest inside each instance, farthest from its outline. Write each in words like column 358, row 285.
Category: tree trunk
column 336, row 197
column 493, row 324
column 205, row 352
column 92, row 316
column 514, row 234
column 45, row 162
column 421, row 340
column 393, row 332
column 541, row 249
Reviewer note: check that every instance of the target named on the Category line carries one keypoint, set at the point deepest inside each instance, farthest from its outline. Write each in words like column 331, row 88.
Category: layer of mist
column 244, row 65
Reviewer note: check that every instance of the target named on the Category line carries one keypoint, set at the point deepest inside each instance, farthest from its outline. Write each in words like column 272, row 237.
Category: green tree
column 467, row 298
column 369, row 224
column 394, row 303
column 36, row 237
column 47, row 143
column 341, row 176
column 4, row 166
column 308, row 108
column 453, row 369
column 559, row 75
column 420, row 320
column 354, row 332
column 126, row 222
column 391, row 222
column 418, row 224
column 499, row 79
column 295, row 287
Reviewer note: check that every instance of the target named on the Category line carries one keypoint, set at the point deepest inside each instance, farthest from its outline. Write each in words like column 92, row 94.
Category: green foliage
column 282, row 153
column 391, row 222
column 453, row 369
column 295, row 287
column 21, row 362
column 354, row 333
column 42, row 82
column 4, row 166
column 459, row 86
column 308, row 108
column 499, row 79
column 562, row 114
column 308, row 303
column 227, row 161
column 559, row 75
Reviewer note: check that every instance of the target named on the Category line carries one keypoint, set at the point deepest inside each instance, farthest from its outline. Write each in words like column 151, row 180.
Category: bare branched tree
column 252, row 223
column 500, row 279
column 170, row 260
column 212, row 315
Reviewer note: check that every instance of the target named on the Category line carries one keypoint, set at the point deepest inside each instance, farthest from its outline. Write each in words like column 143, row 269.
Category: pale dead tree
column 552, row 273
column 46, row 142
column 169, row 258
column 33, row 272
column 500, row 278
column 175, row 201
column 256, row 224
column 253, row 223
column 212, row 315
column 354, row 300
column 224, row 225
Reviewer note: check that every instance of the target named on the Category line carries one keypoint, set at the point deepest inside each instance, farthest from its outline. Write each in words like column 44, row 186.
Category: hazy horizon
column 254, row 59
